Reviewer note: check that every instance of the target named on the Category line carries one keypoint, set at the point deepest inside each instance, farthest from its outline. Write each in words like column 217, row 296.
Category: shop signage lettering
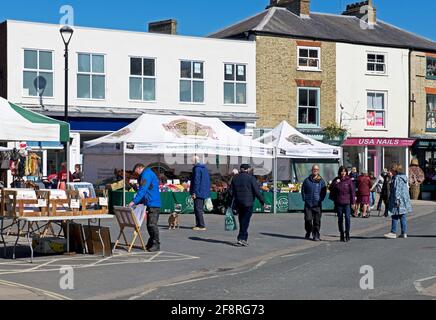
column 381, row 142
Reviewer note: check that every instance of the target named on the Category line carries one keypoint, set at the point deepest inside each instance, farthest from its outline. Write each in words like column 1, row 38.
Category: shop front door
column 374, row 161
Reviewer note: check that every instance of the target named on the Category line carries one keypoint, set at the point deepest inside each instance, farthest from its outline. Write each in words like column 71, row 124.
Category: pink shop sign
column 378, row 142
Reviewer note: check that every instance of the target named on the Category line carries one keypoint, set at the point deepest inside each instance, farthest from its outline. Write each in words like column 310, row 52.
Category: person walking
column 200, row 191
column 399, row 202
column 416, row 178
column 354, row 174
column 385, row 192
column 244, row 190
column 377, row 188
column 62, row 177
column 344, row 197
column 313, row 191
column 363, row 193
column 148, row 195
column 372, row 193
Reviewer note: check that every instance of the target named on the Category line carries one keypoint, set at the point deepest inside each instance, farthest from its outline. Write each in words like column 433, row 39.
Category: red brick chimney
column 363, row 10
column 299, row 7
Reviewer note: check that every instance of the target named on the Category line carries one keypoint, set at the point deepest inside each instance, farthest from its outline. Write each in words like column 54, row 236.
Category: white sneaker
column 391, row 235
column 404, row 236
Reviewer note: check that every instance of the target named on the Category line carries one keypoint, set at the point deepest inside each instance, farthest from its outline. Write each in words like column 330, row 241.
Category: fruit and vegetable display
column 281, row 187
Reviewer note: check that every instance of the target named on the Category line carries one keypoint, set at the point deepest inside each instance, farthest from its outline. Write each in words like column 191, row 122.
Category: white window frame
column 318, row 120
column 192, row 79
column 144, row 77
column 91, row 73
column 375, row 72
column 234, row 82
column 308, row 68
column 427, row 113
column 37, row 70
column 385, row 110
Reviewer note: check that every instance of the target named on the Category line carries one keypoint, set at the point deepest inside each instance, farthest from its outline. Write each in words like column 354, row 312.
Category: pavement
column 278, row 264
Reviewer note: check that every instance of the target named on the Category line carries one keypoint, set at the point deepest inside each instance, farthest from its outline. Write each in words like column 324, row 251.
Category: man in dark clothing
column 314, row 191
column 200, row 191
column 148, row 194
column 243, row 191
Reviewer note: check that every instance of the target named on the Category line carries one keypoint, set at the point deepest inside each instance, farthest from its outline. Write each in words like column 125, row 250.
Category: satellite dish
column 40, row 84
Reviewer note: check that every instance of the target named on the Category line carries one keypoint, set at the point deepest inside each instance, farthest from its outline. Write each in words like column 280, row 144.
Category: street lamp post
column 67, row 34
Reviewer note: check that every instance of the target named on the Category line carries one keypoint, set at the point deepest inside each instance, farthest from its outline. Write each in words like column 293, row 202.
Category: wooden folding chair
column 127, row 219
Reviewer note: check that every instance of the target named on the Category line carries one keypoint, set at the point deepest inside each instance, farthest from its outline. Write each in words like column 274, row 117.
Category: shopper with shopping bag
column 244, row 190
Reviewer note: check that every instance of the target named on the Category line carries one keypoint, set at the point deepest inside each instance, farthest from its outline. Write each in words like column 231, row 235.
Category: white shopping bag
column 140, row 213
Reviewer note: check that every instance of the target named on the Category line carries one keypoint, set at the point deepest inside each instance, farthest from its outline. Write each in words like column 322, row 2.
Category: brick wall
column 277, row 78
column 3, row 60
column 419, row 85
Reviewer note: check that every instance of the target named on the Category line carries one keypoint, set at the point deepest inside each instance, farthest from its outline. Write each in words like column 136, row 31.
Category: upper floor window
column 142, row 79
column 431, row 112
column 235, row 84
column 309, row 58
column 376, row 109
column 431, row 68
column 38, row 73
column 91, row 79
column 376, row 63
column 308, row 106
column 191, row 81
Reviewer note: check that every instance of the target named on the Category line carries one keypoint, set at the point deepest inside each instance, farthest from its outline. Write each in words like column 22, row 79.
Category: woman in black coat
column 385, row 192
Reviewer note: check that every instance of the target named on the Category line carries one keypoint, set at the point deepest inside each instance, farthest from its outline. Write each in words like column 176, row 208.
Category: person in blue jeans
column 344, row 195
column 399, row 204
column 200, row 191
column 244, row 190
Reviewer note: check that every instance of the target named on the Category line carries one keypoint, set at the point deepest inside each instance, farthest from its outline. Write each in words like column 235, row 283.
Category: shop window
column 91, row 78
column 431, row 112
column 192, row 81
column 308, row 106
column 235, row 84
column 431, row 68
column 38, row 73
column 309, row 58
column 376, row 110
column 376, row 63
column 142, row 82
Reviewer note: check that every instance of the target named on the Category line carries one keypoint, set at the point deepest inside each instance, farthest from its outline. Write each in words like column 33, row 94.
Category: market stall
column 20, row 125
column 295, row 154
column 169, row 142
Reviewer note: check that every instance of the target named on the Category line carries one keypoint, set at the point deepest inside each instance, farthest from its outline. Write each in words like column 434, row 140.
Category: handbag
column 229, row 220
column 208, row 205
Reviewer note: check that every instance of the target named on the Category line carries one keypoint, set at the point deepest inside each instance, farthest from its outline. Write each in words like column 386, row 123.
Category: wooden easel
column 127, row 219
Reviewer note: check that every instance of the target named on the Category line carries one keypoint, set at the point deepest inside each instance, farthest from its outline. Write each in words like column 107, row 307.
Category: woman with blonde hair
column 399, row 202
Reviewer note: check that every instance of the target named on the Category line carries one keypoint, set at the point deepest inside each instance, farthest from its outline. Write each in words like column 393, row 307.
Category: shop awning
column 378, row 142
column 162, row 134
column 291, row 143
column 19, row 124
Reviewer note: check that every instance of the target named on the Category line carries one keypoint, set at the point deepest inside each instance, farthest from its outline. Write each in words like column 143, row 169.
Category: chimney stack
column 363, row 10
column 165, row 27
column 299, row 7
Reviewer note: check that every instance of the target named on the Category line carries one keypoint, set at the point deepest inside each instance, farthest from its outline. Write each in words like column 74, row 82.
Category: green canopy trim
column 39, row 118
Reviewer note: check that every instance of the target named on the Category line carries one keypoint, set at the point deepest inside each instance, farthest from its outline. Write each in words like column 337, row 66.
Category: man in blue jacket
column 313, row 191
column 148, row 195
column 200, row 191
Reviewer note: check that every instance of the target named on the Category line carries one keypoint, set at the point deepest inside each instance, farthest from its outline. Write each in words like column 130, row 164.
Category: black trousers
column 199, row 213
column 244, row 216
column 152, row 226
column 312, row 219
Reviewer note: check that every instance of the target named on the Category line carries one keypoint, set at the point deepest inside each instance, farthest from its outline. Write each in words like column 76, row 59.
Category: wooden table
column 66, row 219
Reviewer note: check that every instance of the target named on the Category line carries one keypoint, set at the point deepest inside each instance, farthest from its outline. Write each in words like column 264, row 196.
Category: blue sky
column 201, row 17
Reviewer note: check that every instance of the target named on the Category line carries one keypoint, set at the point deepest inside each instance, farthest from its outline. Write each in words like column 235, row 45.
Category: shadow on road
column 213, row 241
column 282, row 236
column 421, row 236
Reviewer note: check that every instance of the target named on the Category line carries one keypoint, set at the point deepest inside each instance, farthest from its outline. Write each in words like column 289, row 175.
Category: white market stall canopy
column 162, row 134
column 291, row 143
column 19, row 124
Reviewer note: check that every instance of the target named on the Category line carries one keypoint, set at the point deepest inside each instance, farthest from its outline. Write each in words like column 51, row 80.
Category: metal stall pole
column 124, row 174
column 275, row 180
column 67, row 152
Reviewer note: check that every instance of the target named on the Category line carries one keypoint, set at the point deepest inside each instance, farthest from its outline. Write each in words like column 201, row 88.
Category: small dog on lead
column 174, row 221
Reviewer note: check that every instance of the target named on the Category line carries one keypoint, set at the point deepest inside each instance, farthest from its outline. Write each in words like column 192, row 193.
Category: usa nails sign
column 378, row 142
